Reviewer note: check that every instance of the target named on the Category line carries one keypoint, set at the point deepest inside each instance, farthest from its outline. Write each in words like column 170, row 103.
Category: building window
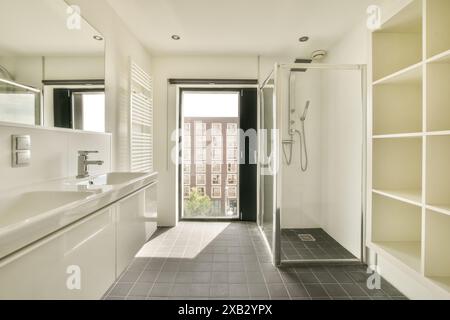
column 216, row 193
column 216, row 167
column 216, row 179
column 201, row 179
column 200, row 129
column 200, row 168
column 232, row 192
column 232, row 208
column 232, row 180
column 231, row 129
column 232, row 168
column 187, row 192
column 216, row 129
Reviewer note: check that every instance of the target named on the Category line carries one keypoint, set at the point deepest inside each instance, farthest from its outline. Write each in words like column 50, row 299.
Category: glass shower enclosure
column 312, row 164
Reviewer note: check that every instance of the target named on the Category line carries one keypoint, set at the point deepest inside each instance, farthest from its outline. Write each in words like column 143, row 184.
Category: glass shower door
column 267, row 164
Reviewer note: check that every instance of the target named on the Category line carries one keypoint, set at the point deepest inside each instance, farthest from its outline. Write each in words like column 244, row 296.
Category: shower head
column 305, row 112
column 304, row 61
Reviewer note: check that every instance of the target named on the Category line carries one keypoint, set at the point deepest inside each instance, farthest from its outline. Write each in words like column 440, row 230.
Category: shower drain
column 307, row 238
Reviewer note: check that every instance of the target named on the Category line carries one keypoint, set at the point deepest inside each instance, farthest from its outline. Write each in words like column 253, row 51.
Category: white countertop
column 31, row 213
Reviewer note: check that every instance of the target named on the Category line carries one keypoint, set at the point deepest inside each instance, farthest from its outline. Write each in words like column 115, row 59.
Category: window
column 216, row 193
column 210, row 119
column 216, row 179
column 201, row 179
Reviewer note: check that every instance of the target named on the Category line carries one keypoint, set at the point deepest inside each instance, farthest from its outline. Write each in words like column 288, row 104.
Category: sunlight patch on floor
column 186, row 241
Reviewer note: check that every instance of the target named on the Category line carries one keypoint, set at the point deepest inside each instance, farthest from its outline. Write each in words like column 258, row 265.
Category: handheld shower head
column 305, row 112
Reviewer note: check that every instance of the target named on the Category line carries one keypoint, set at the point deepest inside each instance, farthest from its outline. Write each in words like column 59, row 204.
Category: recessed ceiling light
column 176, row 37
column 98, row 38
column 303, row 39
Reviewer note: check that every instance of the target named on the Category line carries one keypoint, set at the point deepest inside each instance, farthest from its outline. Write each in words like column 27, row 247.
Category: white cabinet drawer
column 136, row 222
column 44, row 269
column 131, row 233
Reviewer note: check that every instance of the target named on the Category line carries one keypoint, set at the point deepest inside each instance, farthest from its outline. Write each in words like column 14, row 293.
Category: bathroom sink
column 114, row 178
column 27, row 205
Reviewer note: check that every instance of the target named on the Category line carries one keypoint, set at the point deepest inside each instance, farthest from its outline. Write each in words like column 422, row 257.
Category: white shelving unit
column 410, row 214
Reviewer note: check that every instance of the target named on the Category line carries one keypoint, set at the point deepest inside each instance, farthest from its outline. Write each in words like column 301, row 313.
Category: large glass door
column 267, row 137
column 210, row 155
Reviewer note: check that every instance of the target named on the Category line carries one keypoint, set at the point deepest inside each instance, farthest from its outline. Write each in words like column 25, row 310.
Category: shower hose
column 303, row 149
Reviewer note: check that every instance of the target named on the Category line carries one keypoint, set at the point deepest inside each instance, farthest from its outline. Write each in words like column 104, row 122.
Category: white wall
column 301, row 191
column 342, row 137
column 54, row 155
column 121, row 45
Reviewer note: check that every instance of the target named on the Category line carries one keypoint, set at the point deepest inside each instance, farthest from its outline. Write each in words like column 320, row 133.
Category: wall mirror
column 52, row 66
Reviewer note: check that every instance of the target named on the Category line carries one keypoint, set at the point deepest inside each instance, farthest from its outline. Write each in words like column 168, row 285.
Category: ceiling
column 30, row 27
column 265, row 27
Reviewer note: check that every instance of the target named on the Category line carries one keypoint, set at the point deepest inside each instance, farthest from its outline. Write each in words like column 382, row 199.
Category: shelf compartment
column 399, row 135
column 397, row 103
column 398, row 44
column 437, row 254
column 438, row 172
column 397, row 230
column 438, row 96
column 438, row 25
column 413, row 197
column 397, row 166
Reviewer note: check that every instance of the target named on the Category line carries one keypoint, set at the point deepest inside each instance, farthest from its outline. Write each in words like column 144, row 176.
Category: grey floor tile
column 237, row 265
column 184, row 277
column 255, row 277
column 130, row 276
column 297, row 291
column 141, row 289
column 121, row 290
column 354, row 290
column 219, row 290
column 237, row 278
column 316, row 291
column 341, row 277
column 220, row 267
column 290, row 277
column 307, row 278
column 201, row 277
column 273, row 277
column 115, row 298
column 160, row 290
column 166, row 277
column 324, row 277
column 358, row 276
column 199, row 290
column 148, row 276
column 180, row 290
column 335, row 290
column 258, row 291
column 239, row 290
column 277, row 291
column 219, row 277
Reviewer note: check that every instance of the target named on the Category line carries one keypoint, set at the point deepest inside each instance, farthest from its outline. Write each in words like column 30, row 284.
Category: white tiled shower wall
column 54, row 154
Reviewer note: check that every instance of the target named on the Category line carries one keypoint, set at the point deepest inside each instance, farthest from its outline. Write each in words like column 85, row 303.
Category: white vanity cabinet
column 77, row 262
column 83, row 259
column 136, row 222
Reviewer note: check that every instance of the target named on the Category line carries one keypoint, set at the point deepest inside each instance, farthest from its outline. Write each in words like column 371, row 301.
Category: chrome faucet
column 83, row 163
